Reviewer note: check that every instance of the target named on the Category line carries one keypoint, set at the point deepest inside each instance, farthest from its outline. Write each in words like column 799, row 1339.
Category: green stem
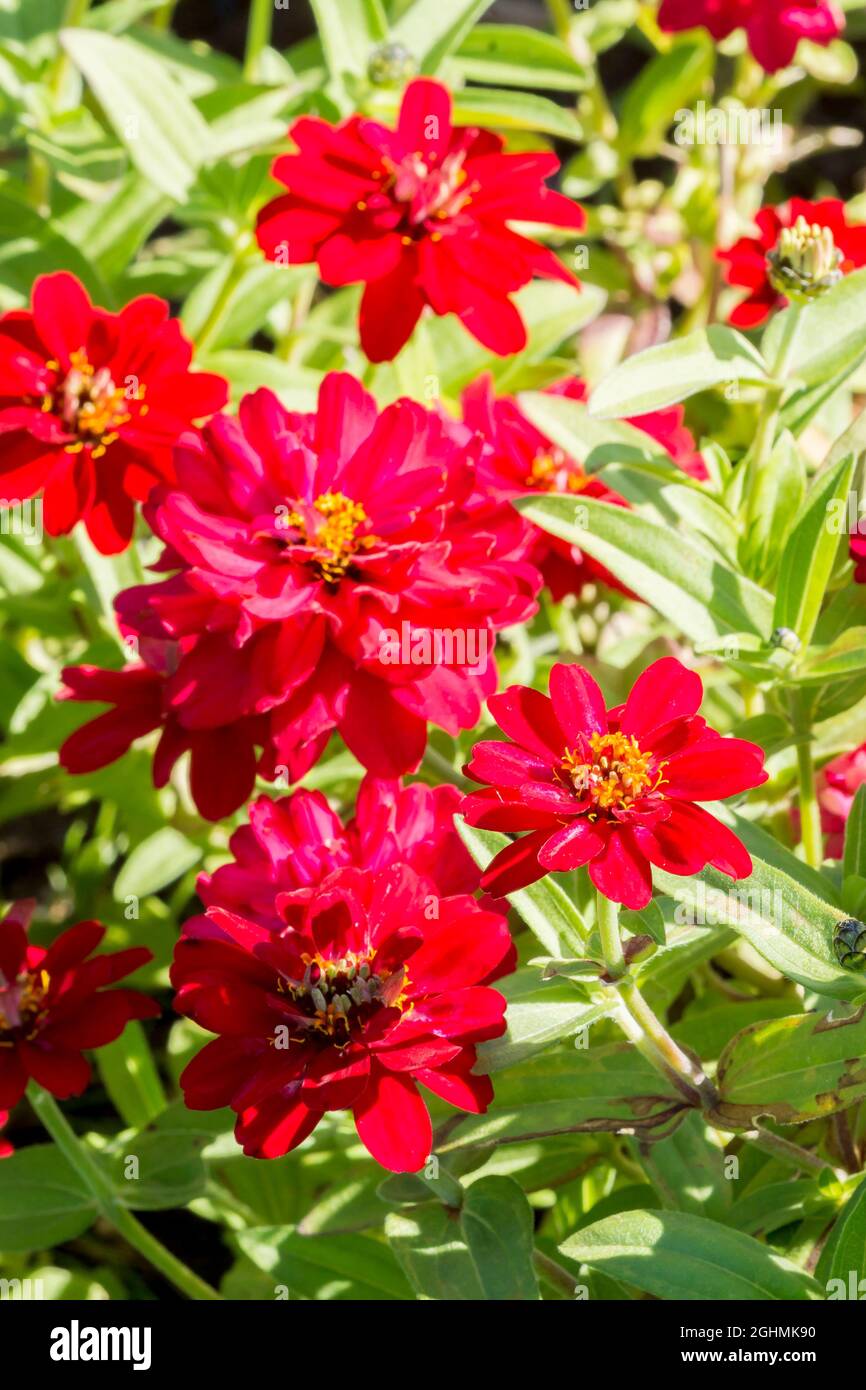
column 811, row 835
column 39, row 171
column 163, row 17
column 792, row 1154
column 258, row 36
column 440, row 766
column 768, row 422
column 110, row 1207
column 640, row 1024
column 554, row 1274
column 611, row 943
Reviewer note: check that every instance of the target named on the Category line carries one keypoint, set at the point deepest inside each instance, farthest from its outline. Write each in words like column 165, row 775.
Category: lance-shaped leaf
column 676, row 1255
column 43, row 1201
column 845, row 1250
column 573, row 1090
column 854, row 860
column 793, row 1069
column 810, row 552
column 496, row 1221
column 513, row 55
column 349, row 1265
column 681, row 578
column 431, row 29
column 349, row 30
column 429, row 1246
column 844, row 658
column 673, row 371
column 790, row 926
column 540, row 1012
column 829, row 339
column 779, row 1204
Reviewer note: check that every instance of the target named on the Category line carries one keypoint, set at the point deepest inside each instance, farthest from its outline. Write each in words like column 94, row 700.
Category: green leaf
column 778, row 1204
column 854, row 859
column 688, row 1170
column 686, row 582
column 510, row 110
column 43, row 1201
column 349, row 30
column 664, row 86
column 544, row 906
column 345, row 1266
column 168, row 1169
column 31, row 246
column 156, row 862
column 787, row 924
column 829, row 339
column 514, row 55
column 129, row 1074
column 431, row 29
column 780, row 489
column 674, row 1255
column 843, row 658
column 572, row 1090
column 428, row 1242
column 672, row 371
column 845, row 1250
column 810, row 552
column 165, row 136
column 540, row 1012
column 496, row 1220
column 792, row 1069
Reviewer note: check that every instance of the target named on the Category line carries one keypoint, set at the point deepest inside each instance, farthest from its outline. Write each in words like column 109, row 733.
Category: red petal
column 393, row 1123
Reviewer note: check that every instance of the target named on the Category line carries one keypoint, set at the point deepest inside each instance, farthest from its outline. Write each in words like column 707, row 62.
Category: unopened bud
column 391, row 65
column 805, row 261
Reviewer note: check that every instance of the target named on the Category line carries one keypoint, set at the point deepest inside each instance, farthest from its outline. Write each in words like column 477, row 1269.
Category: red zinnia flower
column 6, row 1147
column 91, row 404
column 613, row 789
column 328, row 577
column 420, row 215
column 365, row 994
column 292, row 844
column 54, row 1005
column 773, row 27
column 747, row 258
column 520, row 459
column 858, row 552
column 837, row 785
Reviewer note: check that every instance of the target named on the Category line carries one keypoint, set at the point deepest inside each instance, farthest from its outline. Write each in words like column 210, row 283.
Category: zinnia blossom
column 520, row 459
column 773, row 28
column 91, row 405
column 420, row 216
column 375, row 985
column 837, row 784
column 55, row 1004
column 291, row 844
column 747, row 258
column 326, row 576
column 858, row 552
column 6, row 1147
column 612, row 789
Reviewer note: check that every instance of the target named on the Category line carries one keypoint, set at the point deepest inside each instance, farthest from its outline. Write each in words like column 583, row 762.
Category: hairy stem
column 110, row 1207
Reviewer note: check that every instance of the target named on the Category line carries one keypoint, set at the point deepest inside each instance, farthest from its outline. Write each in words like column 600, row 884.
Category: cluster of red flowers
column 773, row 28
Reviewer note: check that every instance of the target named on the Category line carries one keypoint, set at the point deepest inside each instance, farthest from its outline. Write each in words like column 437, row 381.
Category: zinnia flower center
column 616, row 774
column 90, row 404
column 339, row 996
column 333, row 528
column 553, row 471
column 21, row 1004
column 429, row 187
column 805, row 261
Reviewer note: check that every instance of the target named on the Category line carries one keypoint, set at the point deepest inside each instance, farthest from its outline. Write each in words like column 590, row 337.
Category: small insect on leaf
column 849, row 943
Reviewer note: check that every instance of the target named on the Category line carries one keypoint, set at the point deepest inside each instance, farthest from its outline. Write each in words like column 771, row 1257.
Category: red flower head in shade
column 292, row 844
column 54, row 1005
column 858, row 552
column 613, row 789
column 521, row 459
column 747, row 258
column 773, row 27
column 6, row 1147
column 837, row 785
column 326, row 577
column 419, row 215
column 91, row 404
column 375, row 985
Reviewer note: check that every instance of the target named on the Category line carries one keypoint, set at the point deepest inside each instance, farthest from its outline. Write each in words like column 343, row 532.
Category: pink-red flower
column 375, row 985
column 420, row 215
column 837, row 784
column 612, row 789
column 858, row 552
column 55, row 1005
column 520, row 459
column 6, row 1147
column 746, row 260
column 773, row 28
column 91, row 405
column 326, row 575
column 290, row 845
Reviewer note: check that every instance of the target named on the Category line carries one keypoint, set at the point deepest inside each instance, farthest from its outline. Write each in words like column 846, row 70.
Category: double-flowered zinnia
column 92, row 404
column 56, row 1004
column 773, row 28
column 375, row 984
column 325, row 575
column 421, row 216
column 616, row 789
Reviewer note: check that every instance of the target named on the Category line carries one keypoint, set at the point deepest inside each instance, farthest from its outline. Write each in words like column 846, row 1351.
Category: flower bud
column 805, row 261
